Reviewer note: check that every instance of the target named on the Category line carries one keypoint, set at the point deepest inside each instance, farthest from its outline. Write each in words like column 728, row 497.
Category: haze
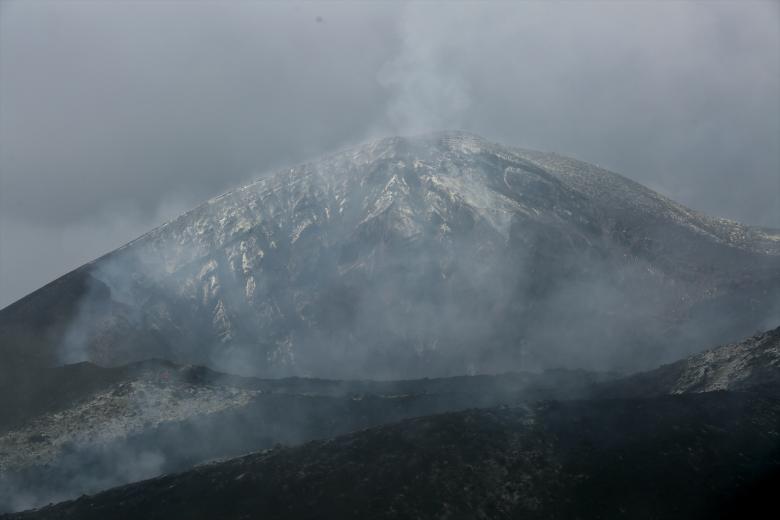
column 116, row 116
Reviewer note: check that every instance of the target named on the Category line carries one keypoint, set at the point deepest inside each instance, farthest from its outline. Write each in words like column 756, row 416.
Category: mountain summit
column 411, row 257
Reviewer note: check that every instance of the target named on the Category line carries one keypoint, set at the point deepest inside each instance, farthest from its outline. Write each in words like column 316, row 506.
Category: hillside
column 410, row 257
column 706, row 455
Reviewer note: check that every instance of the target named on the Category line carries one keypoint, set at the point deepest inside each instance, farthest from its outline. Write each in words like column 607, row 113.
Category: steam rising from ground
column 480, row 292
column 423, row 257
column 126, row 106
column 427, row 90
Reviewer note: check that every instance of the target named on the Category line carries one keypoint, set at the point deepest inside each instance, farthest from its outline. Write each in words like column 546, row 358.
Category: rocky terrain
column 410, row 257
column 130, row 423
column 751, row 363
column 683, row 456
column 429, row 327
column 152, row 418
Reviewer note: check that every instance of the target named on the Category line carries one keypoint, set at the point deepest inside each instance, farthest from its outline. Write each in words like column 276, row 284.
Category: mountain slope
column 88, row 428
column 84, row 429
column 436, row 255
column 748, row 364
column 685, row 456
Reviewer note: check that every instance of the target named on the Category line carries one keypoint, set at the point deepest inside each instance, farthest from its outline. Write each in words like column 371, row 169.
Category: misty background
column 117, row 116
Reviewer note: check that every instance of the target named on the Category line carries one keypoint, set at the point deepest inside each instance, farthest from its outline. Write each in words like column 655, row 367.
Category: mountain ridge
column 87, row 428
column 296, row 272
column 695, row 456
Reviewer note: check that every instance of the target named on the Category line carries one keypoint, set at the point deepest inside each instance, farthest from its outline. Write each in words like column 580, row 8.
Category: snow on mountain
column 414, row 256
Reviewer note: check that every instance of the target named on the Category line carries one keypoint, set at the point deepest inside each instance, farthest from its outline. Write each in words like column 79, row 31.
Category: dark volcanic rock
column 89, row 428
column 84, row 429
column 686, row 456
column 436, row 255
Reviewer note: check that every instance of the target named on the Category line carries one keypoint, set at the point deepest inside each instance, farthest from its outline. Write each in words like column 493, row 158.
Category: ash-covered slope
column 686, row 456
column 112, row 426
column 83, row 429
column 751, row 363
column 436, row 255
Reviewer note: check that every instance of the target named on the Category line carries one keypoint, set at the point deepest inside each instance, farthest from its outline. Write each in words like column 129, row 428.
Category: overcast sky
column 116, row 116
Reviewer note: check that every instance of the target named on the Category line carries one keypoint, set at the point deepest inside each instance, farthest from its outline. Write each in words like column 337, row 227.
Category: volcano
column 412, row 257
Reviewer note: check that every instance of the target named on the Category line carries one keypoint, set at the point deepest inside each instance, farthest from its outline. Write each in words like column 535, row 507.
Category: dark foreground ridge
column 86, row 429
column 687, row 456
column 107, row 427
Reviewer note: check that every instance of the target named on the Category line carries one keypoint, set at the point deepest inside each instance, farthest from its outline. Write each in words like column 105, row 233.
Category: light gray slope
column 407, row 257
column 748, row 364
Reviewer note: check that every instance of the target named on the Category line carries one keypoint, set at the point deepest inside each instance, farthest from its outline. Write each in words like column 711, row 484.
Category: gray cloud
column 114, row 116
